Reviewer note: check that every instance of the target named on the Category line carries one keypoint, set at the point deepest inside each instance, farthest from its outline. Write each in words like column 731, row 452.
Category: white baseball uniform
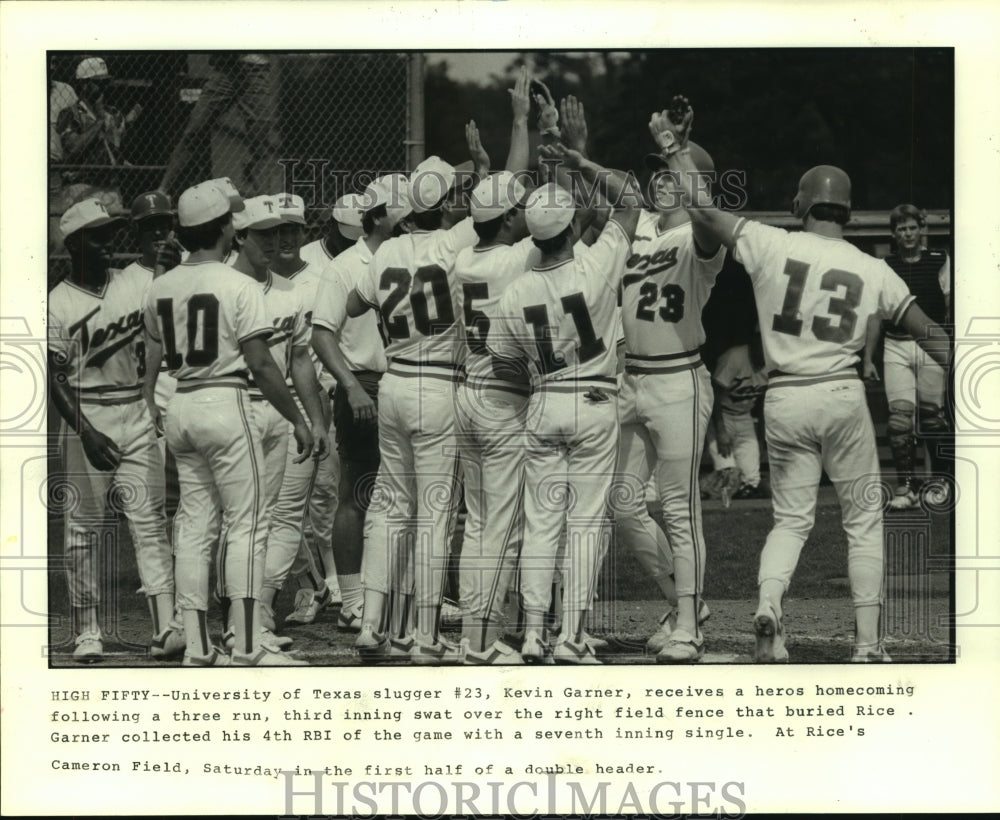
column 666, row 398
column 408, row 282
column 562, row 319
column 742, row 384
column 201, row 313
column 489, row 420
column 814, row 295
column 316, row 255
column 99, row 337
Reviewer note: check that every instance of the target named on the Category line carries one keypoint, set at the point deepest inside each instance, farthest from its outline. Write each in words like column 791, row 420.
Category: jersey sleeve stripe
column 323, row 323
column 263, row 332
column 897, row 317
column 738, row 230
column 620, row 228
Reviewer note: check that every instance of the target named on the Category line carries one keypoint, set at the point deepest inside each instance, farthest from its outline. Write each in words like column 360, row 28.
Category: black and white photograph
column 372, row 360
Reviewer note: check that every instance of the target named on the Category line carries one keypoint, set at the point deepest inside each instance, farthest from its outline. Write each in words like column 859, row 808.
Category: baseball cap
column 92, row 68
column 259, row 214
column 90, row 213
column 429, row 183
column 201, row 203
column 151, row 203
column 391, row 190
column 347, row 215
column 494, row 196
column 548, row 211
column 291, row 208
column 225, row 184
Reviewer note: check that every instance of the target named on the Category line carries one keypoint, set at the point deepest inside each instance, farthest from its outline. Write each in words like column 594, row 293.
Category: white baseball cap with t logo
column 260, row 214
column 90, row 213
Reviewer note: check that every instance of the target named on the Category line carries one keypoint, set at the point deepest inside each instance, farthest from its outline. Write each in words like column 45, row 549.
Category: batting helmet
column 699, row 156
column 151, row 203
column 822, row 185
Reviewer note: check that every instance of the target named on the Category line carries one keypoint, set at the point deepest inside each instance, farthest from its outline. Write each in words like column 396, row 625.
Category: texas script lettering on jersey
column 127, row 327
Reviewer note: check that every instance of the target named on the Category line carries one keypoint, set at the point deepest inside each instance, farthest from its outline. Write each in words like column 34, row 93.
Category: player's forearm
column 327, row 347
column 66, row 401
column 518, row 156
column 706, row 218
column 718, row 422
column 307, row 385
column 154, row 355
column 872, row 332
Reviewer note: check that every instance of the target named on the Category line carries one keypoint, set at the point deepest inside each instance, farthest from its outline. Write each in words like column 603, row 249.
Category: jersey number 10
column 203, row 316
column 789, row 320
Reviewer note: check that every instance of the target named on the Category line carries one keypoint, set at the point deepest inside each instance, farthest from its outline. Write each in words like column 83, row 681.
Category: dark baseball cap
column 151, row 203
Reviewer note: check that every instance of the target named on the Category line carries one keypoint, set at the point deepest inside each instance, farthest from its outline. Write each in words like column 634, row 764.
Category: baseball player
column 210, row 324
column 96, row 365
column 740, row 378
column 665, row 405
column 352, row 350
column 342, row 233
column 912, row 379
column 490, row 417
column 408, row 282
column 257, row 231
column 814, row 294
column 561, row 318
column 307, row 482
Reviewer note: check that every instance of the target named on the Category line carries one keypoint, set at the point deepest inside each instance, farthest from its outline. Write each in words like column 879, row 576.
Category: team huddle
column 525, row 345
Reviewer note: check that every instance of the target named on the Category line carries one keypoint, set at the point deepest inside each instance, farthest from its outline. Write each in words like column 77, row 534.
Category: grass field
column 819, row 616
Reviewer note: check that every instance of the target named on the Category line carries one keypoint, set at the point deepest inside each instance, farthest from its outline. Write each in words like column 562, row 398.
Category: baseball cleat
column 770, row 635
column 350, row 619
column 371, row 645
column 451, row 613
column 498, row 654
column 904, row 499
column 277, row 643
column 400, row 647
column 437, row 654
column 533, row 648
column 868, row 653
column 171, row 643
column 265, row 656
column 658, row 640
column 89, row 648
column 682, row 647
column 597, row 644
column 213, row 658
column 333, row 585
column 574, row 653
column 308, row 606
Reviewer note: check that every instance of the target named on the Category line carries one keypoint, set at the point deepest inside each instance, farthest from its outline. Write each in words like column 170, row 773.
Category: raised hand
column 560, row 153
column 520, row 99
column 548, row 114
column 477, row 153
column 574, row 121
column 671, row 127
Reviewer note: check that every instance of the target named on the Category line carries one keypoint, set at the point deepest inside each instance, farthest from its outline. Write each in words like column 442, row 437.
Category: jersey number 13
column 843, row 307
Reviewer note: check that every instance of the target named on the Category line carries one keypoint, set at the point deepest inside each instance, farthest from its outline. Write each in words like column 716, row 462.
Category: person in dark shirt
column 912, row 380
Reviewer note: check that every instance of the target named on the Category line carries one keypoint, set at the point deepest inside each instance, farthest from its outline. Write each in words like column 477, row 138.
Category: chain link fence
column 317, row 124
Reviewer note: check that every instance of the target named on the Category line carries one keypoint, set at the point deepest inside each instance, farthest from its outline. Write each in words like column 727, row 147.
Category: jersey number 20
column 403, row 284
column 823, row 328
column 203, row 316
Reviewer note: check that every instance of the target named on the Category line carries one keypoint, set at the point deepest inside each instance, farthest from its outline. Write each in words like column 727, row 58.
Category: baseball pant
column 287, row 548
column 490, row 428
column 136, row 487
column 420, row 473
column 664, row 418
column 571, row 448
column 220, row 464
column 911, row 375
column 746, row 449
column 811, row 428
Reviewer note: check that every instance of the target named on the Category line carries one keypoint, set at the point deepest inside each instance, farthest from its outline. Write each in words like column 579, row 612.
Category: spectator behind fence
column 242, row 80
